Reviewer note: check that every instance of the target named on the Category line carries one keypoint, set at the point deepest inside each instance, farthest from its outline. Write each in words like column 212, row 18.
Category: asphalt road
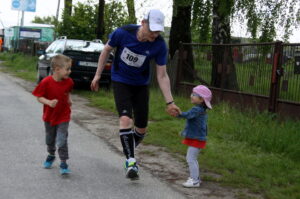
column 97, row 171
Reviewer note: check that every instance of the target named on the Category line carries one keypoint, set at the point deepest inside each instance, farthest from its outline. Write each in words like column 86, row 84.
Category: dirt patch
column 170, row 168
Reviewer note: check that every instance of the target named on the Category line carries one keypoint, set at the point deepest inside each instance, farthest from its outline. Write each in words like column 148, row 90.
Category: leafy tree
column 201, row 21
column 223, row 68
column 100, row 21
column 116, row 15
column 51, row 20
column 131, row 11
column 181, row 32
column 180, row 25
column 268, row 17
column 80, row 25
column 263, row 18
column 68, row 7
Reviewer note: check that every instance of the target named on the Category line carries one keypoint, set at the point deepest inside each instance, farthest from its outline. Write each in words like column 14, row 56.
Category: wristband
column 168, row 103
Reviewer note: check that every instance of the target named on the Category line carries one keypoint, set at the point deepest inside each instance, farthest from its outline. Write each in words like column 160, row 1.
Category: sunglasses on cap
column 195, row 95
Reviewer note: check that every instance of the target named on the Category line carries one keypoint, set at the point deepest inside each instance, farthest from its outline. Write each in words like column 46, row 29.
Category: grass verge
column 248, row 149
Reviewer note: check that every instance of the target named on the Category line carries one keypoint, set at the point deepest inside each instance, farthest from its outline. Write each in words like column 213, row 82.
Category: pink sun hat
column 205, row 93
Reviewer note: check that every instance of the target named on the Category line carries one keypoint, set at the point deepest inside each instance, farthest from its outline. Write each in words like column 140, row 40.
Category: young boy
column 54, row 92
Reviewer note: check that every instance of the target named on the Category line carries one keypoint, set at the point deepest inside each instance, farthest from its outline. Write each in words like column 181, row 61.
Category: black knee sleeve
column 127, row 141
column 138, row 137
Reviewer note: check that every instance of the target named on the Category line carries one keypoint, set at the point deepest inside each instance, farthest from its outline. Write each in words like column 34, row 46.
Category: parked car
column 251, row 57
column 84, row 55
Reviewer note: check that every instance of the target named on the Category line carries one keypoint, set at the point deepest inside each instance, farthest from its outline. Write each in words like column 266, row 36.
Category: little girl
column 195, row 131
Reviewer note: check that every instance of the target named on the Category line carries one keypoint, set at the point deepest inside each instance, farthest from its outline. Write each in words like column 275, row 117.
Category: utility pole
column 1, row 22
column 57, row 11
column 22, row 19
column 56, row 18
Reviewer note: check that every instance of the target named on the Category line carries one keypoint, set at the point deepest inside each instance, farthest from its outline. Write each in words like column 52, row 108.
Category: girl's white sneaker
column 190, row 183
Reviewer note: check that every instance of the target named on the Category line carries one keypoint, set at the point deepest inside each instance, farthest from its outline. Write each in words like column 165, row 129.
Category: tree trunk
column 131, row 11
column 223, row 68
column 100, row 25
column 181, row 32
column 68, row 7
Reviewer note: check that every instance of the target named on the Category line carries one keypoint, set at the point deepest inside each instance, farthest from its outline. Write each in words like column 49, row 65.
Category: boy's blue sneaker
column 49, row 161
column 64, row 170
column 132, row 170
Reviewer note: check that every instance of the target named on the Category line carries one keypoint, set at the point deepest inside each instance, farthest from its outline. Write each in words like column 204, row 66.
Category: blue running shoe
column 64, row 170
column 49, row 161
column 132, row 170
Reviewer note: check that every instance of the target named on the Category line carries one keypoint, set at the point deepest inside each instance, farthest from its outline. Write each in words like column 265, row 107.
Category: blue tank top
column 132, row 57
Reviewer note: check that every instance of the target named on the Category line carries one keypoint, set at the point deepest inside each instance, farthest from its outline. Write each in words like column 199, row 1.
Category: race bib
column 132, row 59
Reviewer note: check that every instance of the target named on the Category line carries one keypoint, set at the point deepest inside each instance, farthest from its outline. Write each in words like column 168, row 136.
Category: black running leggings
column 132, row 101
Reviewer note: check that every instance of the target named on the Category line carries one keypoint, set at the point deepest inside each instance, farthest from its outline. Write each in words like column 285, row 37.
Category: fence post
column 224, row 67
column 275, row 78
column 179, row 66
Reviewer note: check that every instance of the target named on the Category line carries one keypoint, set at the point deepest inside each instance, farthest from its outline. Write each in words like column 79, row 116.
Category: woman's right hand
column 173, row 110
column 95, row 83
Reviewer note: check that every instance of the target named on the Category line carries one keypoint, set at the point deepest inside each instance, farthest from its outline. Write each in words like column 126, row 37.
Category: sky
column 9, row 17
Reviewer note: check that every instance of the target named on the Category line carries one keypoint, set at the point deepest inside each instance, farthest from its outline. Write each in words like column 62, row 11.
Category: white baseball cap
column 155, row 19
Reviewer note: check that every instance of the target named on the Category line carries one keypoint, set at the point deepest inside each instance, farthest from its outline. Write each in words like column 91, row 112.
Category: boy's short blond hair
column 60, row 61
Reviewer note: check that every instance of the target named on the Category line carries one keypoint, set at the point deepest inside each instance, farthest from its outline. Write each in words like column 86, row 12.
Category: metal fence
column 290, row 80
column 265, row 76
column 29, row 46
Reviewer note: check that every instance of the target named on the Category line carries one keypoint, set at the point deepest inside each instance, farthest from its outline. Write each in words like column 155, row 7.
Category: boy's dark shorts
column 132, row 101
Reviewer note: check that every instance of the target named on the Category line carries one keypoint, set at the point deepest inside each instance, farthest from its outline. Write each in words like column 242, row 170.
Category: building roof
column 37, row 25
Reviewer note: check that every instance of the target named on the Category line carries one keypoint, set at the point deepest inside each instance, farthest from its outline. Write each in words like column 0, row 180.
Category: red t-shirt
column 194, row 143
column 51, row 89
